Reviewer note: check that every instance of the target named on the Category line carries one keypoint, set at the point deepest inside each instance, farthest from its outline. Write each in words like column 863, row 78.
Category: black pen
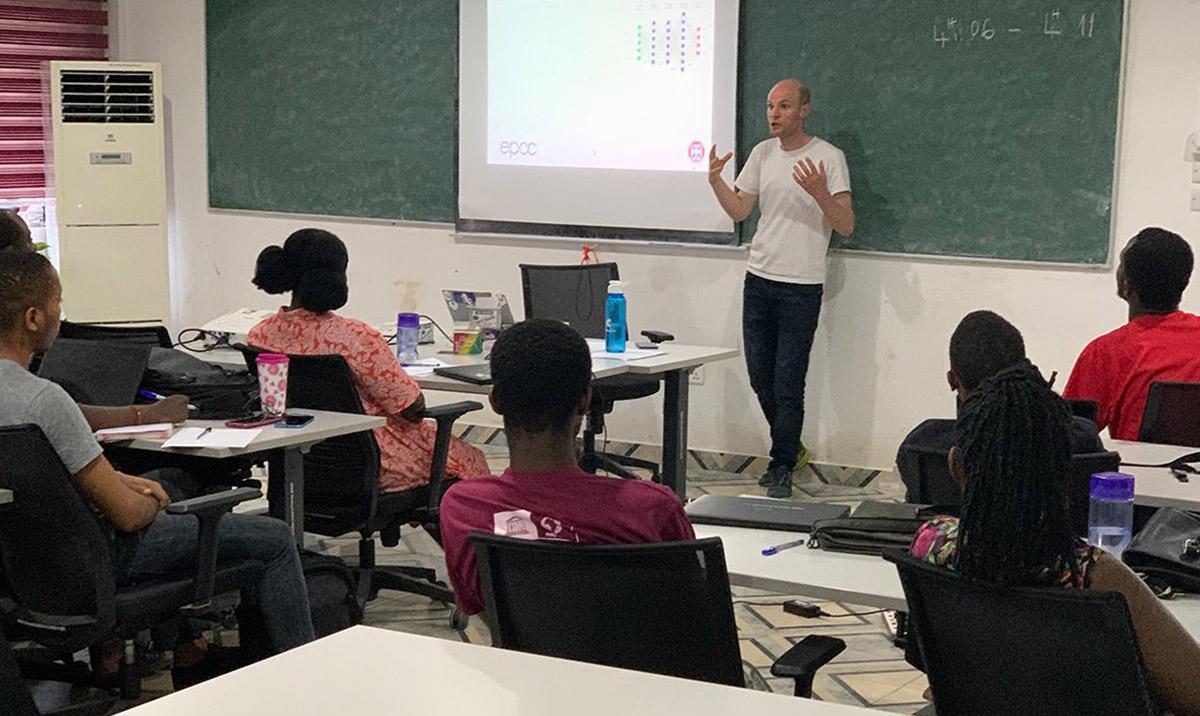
column 204, row 432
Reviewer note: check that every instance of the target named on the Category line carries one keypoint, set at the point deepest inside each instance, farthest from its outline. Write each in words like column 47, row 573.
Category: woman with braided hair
column 1013, row 447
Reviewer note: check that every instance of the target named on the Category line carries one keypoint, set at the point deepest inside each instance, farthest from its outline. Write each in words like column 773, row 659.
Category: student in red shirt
column 541, row 386
column 1159, row 343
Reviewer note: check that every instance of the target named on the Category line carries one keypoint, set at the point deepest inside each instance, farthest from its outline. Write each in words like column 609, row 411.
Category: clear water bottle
column 408, row 335
column 614, row 318
column 1110, row 515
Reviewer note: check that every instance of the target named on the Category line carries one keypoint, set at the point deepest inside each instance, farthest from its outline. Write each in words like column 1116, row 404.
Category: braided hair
column 1014, row 446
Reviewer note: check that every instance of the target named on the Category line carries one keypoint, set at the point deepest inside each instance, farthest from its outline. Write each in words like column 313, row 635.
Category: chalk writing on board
column 1054, row 24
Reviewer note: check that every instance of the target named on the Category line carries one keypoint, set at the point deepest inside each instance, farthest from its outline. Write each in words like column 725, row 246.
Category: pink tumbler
column 272, row 383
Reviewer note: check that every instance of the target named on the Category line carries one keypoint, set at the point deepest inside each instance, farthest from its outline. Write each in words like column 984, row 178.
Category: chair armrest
column 209, row 509
column 802, row 661
column 444, row 415
column 658, row 336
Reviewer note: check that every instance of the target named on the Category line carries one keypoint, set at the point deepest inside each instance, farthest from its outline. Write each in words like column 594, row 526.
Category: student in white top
column 804, row 187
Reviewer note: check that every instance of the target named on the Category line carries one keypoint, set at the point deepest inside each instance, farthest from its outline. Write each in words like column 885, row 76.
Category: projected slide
column 600, row 84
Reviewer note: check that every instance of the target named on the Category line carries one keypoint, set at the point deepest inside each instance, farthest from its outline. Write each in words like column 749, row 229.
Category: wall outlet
column 1196, row 172
column 1195, row 198
column 696, row 376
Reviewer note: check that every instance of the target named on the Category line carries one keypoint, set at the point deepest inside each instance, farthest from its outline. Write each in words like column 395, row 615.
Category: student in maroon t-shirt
column 1159, row 343
column 541, row 385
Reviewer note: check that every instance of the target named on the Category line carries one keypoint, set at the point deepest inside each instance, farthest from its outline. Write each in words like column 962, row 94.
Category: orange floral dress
column 406, row 449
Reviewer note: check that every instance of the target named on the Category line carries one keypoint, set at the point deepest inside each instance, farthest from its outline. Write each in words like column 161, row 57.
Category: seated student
column 541, row 385
column 149, row 543
column 14, row 232
column 981, row 346
column 1013, row 440
column 1159, row 343
column 312, row 265
column 15, row 236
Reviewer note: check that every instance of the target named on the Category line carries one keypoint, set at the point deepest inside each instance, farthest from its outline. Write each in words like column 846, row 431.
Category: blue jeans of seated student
column 779, row 321
column 170, row 544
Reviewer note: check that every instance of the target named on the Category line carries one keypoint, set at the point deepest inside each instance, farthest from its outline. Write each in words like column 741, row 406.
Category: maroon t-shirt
column 1116, row 369
column 568, row 506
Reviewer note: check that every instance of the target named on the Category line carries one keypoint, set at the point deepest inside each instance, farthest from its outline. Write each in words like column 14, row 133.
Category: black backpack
column 218, row 393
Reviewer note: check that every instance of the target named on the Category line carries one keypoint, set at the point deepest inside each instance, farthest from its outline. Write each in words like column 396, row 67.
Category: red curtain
column 31, row 32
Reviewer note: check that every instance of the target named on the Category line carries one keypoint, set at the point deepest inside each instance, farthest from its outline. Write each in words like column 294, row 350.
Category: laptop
column 481, row 309
column 96, row 372
column 761, row 512
column 476, row 373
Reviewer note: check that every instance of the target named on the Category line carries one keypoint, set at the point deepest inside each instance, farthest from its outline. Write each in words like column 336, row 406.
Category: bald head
column 793, row 88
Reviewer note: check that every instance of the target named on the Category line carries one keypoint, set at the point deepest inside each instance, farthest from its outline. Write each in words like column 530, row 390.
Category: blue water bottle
column 408, row 335
column 614, row 318
column 1110, row 515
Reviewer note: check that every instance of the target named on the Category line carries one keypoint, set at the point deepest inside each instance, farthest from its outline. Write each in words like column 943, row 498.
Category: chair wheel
column 458, row 620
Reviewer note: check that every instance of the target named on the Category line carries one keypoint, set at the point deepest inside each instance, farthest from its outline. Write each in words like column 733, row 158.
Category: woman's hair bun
column 272, row 272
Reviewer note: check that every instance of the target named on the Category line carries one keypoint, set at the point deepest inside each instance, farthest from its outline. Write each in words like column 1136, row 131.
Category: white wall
column 880, row 357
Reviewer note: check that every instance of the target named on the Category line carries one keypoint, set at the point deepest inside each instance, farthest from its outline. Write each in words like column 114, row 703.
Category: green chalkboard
column 337, row 107
column 979, row 128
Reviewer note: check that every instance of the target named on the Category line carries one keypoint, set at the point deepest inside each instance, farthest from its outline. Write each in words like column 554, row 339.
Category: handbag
column 871, row 528
column 1168, row 548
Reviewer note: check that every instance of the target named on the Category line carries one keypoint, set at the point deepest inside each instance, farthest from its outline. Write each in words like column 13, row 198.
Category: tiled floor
column 871, row 672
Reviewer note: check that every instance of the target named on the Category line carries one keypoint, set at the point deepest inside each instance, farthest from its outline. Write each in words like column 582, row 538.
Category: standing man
column 805, row 189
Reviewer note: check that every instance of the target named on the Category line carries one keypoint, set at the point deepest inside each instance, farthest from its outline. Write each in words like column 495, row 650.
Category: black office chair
column 57, row 578
column 1078, row 487
column 341, row 478
column 575, row 294
column 1172, row 414
column 661, row 608
column 139, row 335
column 1022, row 650
column 14, row 695
column 927, row 472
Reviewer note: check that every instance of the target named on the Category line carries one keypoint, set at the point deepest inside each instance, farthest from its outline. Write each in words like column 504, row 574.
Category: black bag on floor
column 218, row 393
column 331, row 593
column 331, row 601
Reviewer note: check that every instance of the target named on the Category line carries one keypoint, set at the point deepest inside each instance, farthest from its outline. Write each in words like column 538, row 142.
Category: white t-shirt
column 792, row 237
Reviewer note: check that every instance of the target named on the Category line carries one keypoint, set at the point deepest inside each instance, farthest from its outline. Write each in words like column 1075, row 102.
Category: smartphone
column 294, row 421
column 254, row 420
column 646, row 345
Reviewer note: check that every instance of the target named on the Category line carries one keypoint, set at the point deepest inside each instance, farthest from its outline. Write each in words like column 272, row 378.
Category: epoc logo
column 519, row 149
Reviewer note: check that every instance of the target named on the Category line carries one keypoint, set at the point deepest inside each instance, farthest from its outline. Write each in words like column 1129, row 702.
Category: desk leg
column 293, row 491
column 675, row 430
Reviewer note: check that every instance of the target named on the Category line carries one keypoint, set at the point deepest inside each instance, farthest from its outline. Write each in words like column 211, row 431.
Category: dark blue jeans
column 169, row 547
column 779, row 321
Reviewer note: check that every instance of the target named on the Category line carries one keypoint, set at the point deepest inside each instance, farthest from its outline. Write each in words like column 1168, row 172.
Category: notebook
column 476, row 373
column 96, row 372
column 761, row 512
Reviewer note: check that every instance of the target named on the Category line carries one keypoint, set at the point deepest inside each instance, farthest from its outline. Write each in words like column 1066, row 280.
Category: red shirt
column 569, row 506
column 1116, row 369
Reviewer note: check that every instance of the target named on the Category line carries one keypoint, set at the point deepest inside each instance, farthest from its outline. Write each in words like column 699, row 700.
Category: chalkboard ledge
column 623, row 245
column 334, row 217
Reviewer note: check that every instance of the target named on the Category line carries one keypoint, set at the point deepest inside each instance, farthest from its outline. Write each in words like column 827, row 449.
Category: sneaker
column 780, row 484
column 803, row 459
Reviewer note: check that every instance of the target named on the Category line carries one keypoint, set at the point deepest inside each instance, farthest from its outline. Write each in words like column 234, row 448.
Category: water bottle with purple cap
column 1110, row 515
column 408, row 336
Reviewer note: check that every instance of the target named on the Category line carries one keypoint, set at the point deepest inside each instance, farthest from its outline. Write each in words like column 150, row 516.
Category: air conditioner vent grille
column 107, row 97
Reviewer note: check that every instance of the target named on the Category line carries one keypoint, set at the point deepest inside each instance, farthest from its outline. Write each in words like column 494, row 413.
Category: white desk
column 293, row 442
column 672, row 367
column 854, row 578
column 1156, row 486
column 363, row 670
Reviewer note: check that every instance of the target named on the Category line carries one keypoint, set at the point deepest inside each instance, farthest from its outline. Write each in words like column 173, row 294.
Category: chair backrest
column 138, row 335
column 96, row 372
column 1022, row 650
column 662, row 608
column 574, row 294
column 57, row 572
column 932, row 483
column 1172, row 414
column 341, row 472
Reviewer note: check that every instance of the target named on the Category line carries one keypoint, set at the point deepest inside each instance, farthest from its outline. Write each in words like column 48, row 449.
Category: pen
column 151, row 395
column 768, row 551
column 204, row 432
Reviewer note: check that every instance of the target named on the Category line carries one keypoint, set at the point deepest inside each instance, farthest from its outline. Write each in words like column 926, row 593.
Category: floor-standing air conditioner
column 106, row 174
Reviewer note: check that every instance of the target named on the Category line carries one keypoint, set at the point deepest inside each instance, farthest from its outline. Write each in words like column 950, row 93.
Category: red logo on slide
column 696, row 151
